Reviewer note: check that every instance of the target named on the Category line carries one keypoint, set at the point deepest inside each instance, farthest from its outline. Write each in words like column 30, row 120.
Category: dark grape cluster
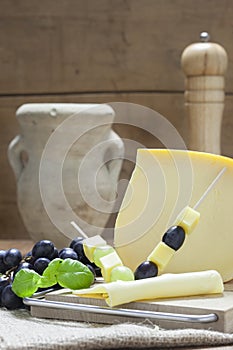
column 44, row 251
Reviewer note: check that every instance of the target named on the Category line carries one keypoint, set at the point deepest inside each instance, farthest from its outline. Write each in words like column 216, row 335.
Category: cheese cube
column 108, row 263
column 161, row 255
column 100, row 252
column 188, row 219
column 90, row 244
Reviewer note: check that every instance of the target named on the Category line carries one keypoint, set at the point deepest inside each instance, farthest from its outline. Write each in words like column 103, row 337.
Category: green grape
column 121, row 273
column 100, row 252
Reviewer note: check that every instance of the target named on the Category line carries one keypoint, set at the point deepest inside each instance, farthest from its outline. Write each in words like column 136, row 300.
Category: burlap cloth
column 18, row 330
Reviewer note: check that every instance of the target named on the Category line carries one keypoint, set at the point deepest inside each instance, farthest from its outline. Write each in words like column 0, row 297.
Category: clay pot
column 66, row 161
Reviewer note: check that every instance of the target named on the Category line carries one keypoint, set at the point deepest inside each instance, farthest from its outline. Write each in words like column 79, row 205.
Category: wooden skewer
column 209, row 188
column 204, row 65
column 78, row 228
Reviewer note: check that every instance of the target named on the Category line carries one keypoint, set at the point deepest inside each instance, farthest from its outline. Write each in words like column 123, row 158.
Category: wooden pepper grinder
column 204, row 65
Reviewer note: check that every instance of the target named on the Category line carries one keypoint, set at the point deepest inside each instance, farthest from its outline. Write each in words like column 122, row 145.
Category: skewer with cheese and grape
column 104, row 256
column 124, row 290
column 194, row 259
column 173, row 238
column 162, row 184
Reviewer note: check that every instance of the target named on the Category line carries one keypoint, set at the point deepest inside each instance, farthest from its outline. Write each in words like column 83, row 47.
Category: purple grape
column 12, row 257
column 174, row 237
column 40, row 265
column 3, row 266
column 23, row 265
column 78, row 248
column 91, row 268
column 146, row 269
column 10, row 300
column 3, row 283
column 43, row 249
column 97, row 269
column 75, row 240
column 55, row 254
column 66, row 253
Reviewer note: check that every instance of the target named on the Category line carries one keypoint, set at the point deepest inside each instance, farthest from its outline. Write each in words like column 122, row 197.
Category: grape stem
column 8, row 272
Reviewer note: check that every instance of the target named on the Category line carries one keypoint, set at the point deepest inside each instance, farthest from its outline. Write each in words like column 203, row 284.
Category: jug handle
column 15, row 149
column 116, row 148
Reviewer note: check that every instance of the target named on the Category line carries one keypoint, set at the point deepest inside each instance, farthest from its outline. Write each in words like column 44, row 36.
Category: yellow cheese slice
column 164, row 286
column 162, row 184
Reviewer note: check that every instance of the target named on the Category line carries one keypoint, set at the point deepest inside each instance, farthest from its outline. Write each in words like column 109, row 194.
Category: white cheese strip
column 164, row 286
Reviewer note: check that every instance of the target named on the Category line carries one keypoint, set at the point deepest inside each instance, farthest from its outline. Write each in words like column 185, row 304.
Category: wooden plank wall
column 101, row 51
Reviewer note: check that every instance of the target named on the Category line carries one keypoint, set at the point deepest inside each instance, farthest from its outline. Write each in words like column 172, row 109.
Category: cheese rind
column 188, row 219
column 161, row 255
column 164, row 286
column 162, row 184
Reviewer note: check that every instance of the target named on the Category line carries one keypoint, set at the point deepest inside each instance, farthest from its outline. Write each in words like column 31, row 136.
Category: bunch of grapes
column 44, row 251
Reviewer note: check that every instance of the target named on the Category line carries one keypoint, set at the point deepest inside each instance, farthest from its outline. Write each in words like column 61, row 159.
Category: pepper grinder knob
column 204, row 64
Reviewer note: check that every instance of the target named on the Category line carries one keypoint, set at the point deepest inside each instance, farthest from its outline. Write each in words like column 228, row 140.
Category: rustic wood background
column 101, row 51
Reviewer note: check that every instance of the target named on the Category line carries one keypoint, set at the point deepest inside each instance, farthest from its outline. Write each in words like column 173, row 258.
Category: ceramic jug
column 66, row 161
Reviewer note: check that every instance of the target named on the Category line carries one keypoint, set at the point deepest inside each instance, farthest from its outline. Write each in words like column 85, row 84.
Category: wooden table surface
column 26, row 245
column 23, row 245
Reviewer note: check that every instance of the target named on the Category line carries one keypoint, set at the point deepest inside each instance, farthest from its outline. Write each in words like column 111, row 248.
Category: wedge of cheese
column 163, row 183
column 165, row 286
